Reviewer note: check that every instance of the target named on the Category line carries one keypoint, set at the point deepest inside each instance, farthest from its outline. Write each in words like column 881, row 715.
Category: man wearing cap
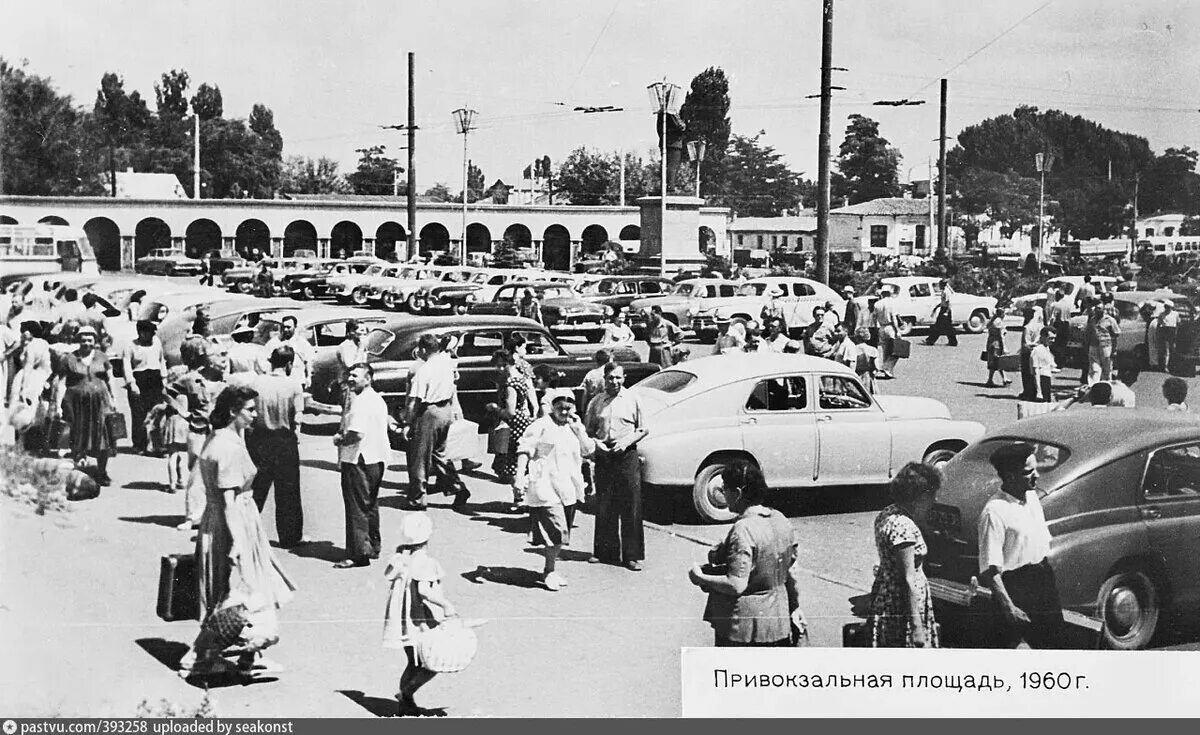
column 274, row 446
column 851, row 318
column 888, row 323
column 363, row 452
column 775, row 308
column 428, row 413
column 1014, row 546
column 245, row 357
column 614, row 420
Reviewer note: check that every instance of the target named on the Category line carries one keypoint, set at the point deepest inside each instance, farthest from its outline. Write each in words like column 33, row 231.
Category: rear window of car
column 1050, row 457
column 668, row 381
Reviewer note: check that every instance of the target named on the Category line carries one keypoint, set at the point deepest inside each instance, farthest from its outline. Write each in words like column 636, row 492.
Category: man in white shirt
column 245, row 357
column 300, row 369
column 1014, row 546
column 273, row 444
column 1168, row 327
column 888, row 323
column 429, row 414
column 350, row 353
column 363, row 452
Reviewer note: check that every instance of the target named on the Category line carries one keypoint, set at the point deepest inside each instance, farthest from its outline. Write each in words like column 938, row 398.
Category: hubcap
column 715, row 492
column 1124, row 611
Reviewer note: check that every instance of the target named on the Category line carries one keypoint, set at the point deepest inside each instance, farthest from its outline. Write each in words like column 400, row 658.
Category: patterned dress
column 889, row 621
column 86, row 403
column 519, row 421
column 995, row 343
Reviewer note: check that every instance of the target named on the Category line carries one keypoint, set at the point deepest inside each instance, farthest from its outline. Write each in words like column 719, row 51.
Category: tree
column 120, row 118
column 756, row 182
column 705, row 110
column 1190, row 227
column 475, row 182
column 302, row 175
column 506, row 255
column 993, row 198
column 206, row 103
column 1171, row 184
column 439, row 193
column 375, row 173
column 589, row 177
column 171, row 94
column 262, row 122
column 868, row 167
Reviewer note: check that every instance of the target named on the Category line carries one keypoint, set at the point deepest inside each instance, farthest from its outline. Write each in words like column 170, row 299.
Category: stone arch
column 593, row 238
column 434, row 238
column 479, row 238
column 299, row 235
column 391, row 241
column 202, row 235
column 6, row 220
column 105, row 238
column 630, row 232
column 519, row 235
column 52, row 219
column 556, row 248
column 707, row 239
column 347, row 237
column 253, row 234
column 151, row 234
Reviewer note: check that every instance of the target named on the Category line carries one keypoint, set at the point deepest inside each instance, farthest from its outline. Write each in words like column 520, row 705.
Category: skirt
column 84, row 408
column 255, row 574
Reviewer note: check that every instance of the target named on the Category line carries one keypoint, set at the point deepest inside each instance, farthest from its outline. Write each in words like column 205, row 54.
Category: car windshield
column 1050, row 457
column 684, row 289
column 752, row 289
column 668, row 381
column 377, row 340
column 456, row 277
column 556, row 293
column 373, row 270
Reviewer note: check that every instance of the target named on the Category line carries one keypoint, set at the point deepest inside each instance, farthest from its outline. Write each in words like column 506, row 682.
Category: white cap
column 415, row 528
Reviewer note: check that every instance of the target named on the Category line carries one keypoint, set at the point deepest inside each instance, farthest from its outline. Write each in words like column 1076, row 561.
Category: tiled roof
column 887, row 207
column 364, row 198
column 132, row 185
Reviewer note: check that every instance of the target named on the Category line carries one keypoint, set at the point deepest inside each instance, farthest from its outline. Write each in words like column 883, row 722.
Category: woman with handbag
column 517, row 409
column 751, row 577
column 995, row 348
column 901, row 611
column 416, row 606
column 87, row 404
column 30, row 381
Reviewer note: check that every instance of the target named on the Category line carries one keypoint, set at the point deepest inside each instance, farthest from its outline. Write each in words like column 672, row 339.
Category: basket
column 448, row 648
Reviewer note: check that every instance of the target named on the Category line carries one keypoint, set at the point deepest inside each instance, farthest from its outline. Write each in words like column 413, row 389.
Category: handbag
column 854, row 635
column 114, row 424
column 983, row 355
column 500, row 439
column 447, row 648
column 901, row 347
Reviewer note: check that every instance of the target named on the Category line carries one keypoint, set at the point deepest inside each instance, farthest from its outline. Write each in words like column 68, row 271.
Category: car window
column 330, row 334
column 536, row 343
column 557, row 293
column 919, row 289
column 686, row 289
column 668, row 381
column 727, row 290
column 779, row 394
column 480, row 344
column 651, row 287
column 506, row 294
column 1173, row 473
column 496, row 280
column 842, row 392
column 752, row 289
column 803, row 289
column 378, row 340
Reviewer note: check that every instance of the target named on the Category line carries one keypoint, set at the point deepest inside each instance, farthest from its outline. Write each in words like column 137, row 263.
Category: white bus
column 27, row 250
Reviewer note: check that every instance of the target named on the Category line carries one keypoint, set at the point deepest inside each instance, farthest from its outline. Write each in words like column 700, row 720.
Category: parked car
column 919, row 296
column 244, row 280
column 1137, row 316
column 1069, row 285
column 396, row 293
column 805, row 421
column 162, row 305
column 223, row 317
column 342, row 287
column 390, row 353
column 689, row 295
column 618, row 292
column 1122, row 500
column 563, row 312
column 314, row 284
column 800, row 297
column 224, row 260
column 167, row 262
column 372, row 288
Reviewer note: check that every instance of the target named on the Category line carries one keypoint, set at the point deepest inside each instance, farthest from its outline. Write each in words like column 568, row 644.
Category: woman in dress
column 29, row 383
column 234, row 562
column 88, row 401
column 995, row 348
column 517, row 409
column 617, row 333
column 751, row 577
column 901, row 612
column 191, row 398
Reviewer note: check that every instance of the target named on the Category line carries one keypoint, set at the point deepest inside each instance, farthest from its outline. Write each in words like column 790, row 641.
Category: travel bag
column 901, row 347
column 178, row 589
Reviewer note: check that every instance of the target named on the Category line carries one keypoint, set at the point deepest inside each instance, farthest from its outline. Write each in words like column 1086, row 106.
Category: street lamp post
column 664, row 97
column 463, row 117
column 695, row 150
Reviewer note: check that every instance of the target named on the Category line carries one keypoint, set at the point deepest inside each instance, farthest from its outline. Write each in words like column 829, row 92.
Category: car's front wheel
column 359, row 297
column 977, row 323
column 708, row 494
column 246, row 287
column 939, row 455
column 1129, row 609
column 389, row 300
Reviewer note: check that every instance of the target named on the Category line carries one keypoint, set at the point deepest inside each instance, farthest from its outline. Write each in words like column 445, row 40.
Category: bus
column 27, row 250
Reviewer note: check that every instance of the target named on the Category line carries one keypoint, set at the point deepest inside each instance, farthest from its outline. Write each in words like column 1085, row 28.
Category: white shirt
column 1041, row 361
column 555, row 458
column 433, row 380
column 884, row 313
column 1012, row 533
column 349, row 355
column 367, row 417
column 303, row 351
column 1169, row 319
column 1122, row 395
column 617, row 335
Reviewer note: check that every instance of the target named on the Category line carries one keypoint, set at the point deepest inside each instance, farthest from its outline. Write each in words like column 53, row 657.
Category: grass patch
column 37, row 483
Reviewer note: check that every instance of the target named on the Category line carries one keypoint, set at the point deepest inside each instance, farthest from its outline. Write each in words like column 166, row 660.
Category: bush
column 30, row 483
column 165, row 708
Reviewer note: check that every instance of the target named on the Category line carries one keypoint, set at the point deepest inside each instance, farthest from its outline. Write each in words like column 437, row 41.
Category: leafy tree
column 475, row 182
column 506, row 254
column 756, row 182
column 262, row 122
column 868, row 167
column 1171, row 184
column 375, row 173
column 207, row 102
column 705, row 111
column 302, row 175
column 171, row 94
column 120, row 118
column 1190, row 226
column 992, row 198
column 589, row 177
column 439, row 193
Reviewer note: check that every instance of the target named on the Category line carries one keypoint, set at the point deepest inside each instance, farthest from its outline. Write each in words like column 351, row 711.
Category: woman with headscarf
column 87, row 402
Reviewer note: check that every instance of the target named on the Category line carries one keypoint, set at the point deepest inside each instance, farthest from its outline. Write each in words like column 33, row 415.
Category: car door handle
column 825, row 418
column 1151, row 512
column 749, row 420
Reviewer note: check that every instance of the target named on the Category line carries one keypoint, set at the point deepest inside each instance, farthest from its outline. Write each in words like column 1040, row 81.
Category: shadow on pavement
column 324, row 428
column 320, row 464
column 165, row 652
column 169, row 521
column 506, row 523
column 323, row 550
column 512, row 576
column 375, row 705
column 145, row 485
column 564, row 554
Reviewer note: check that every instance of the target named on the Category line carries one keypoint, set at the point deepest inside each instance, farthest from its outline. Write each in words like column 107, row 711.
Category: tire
column 411, row 304
column 1129, row 606
column 707, row 500
column 388, row 300
column 310, row 293
column 359, row 297
column 594, row 336
column 906, row 327
column 977, row 323
column 938, row 456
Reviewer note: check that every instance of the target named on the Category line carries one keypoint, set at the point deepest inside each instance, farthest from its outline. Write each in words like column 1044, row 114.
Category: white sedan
column 806, row 421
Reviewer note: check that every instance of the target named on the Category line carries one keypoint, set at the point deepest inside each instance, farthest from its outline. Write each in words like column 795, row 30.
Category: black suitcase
column 854, row 635
column 178, row 591
column 1183, row 366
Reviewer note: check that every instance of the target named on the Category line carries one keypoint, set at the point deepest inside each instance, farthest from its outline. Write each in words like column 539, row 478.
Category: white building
column 786, row 234
column 1163, row 224
column 888, row 226
column 131, row 185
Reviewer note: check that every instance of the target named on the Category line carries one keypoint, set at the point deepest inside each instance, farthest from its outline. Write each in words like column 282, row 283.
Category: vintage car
column 1122, row 500
column 324, row 326
column 1068, row 285
column 689, row 295
column 805, row 421
column 1137, row 316
column 399, row 293
column 223, row 317
column 800, row 297
column 374, row 288
column 342, row 287
column 244, row 280
column 224, row 260
column 563, row 312
column 314, row 284
column 618, row 292
column 918, row 297
column 162, row 304
column 476, row 338
column 167, row 262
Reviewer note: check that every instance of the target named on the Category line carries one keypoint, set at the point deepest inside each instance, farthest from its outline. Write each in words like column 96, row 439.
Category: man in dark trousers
column 943, row 323
column 614, row 420
column 428, row 413
column 273, row 445
column 1014, row 546
column 363, row 452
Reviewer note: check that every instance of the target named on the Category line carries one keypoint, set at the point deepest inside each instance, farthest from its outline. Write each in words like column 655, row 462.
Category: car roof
column 314, row 314
column 719, row 369
column 237, row 306
column 419, row 323
column 909, row 280
column 1140, row 296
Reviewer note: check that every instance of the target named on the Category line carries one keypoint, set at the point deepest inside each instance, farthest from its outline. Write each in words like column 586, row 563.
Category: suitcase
column 178, row 590
column 901, row 348
column 854, row 635
column 1183, row 366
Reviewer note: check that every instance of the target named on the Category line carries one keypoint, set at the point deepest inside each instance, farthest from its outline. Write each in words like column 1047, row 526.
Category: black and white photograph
column 391, row 359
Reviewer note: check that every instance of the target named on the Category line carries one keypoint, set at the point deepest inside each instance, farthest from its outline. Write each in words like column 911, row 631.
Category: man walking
column 1014, row 546
column 363, row 451
column 1102, row 332
column 888, row 323
column 943, row 324
column 429, row 414
column 614, row 420
column 273, row 445
column 1168, row 327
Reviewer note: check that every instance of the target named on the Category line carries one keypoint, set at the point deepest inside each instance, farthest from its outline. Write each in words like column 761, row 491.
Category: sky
column 334, row 71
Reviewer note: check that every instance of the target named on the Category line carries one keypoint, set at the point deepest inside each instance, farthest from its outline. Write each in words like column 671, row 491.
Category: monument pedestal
column 677, row 235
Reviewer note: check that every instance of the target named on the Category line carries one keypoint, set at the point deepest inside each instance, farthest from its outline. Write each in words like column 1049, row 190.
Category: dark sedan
column 563, row 312
column 390, row 349
column 1121, row 493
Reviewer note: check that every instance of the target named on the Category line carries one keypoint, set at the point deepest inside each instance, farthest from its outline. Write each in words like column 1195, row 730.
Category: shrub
column 165, row 708
column 31, row 483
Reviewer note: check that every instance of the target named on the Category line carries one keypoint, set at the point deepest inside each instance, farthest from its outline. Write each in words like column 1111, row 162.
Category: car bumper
column 704, row 325
column 576, row 328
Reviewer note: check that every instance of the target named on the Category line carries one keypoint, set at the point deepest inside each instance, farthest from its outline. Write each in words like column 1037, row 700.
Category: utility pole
column 196, row 156
column 1040, row 162
column 412, row 161
column 931, row 230
column 622, row 155
column 2, row 134
column 822, row 244
column 941, row 206
column 1137, row 182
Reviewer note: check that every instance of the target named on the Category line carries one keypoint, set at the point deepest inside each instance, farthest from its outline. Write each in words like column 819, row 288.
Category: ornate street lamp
column 463, row 118
column 665, row 99
column 695, row 149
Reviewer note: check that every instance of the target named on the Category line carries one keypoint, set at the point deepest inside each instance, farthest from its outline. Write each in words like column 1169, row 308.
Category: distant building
column 1161, row 224
column 881, row 227
column 498, row 192
column 774, row 234
column 131, row 185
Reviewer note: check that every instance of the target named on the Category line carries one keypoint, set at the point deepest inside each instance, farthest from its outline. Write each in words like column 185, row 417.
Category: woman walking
column 517, row 409
column 191, row 398
column 995, row 348
column 751, row 577
column 234, row 562
column 617, row 333
column 88, row 401
column 31, row 380
column 901, row 612
column 145, row 370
